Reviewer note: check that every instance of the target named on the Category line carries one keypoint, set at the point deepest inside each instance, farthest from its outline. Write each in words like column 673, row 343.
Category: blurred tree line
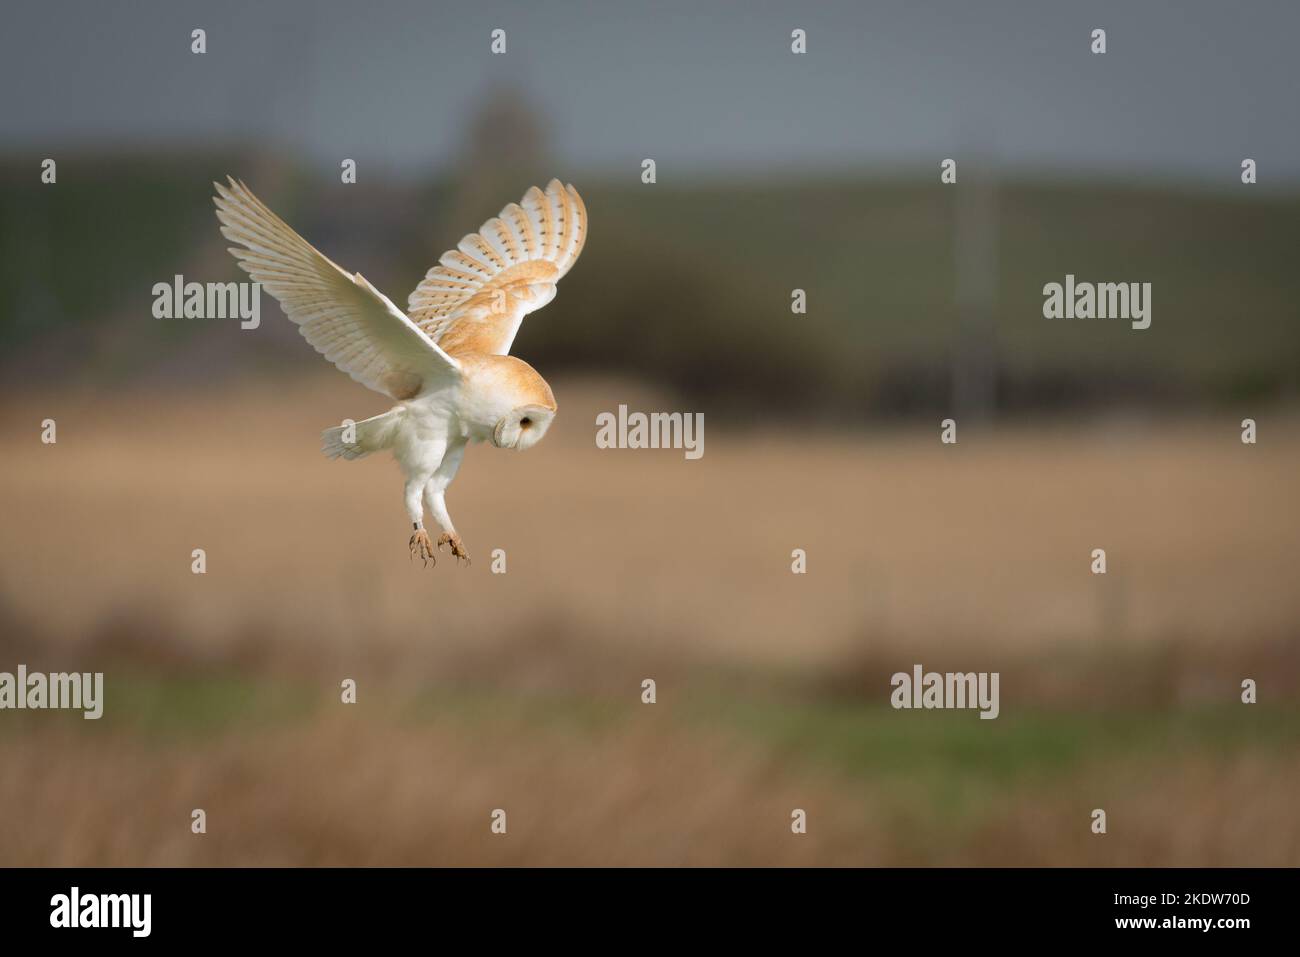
column 915, row 290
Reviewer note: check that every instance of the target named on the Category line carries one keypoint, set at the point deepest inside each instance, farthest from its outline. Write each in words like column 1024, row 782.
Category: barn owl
column 446, row 360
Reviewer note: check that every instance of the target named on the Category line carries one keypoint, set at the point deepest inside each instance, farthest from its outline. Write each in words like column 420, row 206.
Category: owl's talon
column 457, row 546
column 421, row 545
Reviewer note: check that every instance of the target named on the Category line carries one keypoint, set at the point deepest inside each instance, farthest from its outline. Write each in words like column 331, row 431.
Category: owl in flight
column 446, row 360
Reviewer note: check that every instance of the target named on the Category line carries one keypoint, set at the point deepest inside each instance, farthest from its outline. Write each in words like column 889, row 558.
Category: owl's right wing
column 346, row 319
column 479, row 293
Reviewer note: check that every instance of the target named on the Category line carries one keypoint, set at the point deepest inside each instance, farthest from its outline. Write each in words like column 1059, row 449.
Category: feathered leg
column 420, row 543
column 435, row 498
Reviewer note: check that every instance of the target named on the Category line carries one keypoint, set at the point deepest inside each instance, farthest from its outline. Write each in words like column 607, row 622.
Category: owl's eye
column 525, row 422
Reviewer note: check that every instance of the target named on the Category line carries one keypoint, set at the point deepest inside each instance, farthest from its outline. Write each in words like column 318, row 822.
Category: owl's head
column 508, row 402
column 522, row 427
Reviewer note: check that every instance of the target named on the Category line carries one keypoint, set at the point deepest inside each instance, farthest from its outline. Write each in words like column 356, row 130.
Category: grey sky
column 703, row 87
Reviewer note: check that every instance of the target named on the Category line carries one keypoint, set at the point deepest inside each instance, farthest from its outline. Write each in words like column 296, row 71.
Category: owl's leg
column 435, row 498
column 437, row 503
column 420, row 543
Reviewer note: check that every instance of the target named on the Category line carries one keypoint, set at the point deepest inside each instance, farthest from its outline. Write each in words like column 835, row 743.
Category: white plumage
column 447, row 364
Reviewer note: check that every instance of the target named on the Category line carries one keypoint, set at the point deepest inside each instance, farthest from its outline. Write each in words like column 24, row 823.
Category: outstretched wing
column 479, row 293
column 346, row 319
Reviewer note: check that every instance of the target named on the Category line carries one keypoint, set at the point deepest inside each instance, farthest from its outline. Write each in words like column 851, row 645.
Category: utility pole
column 975, row 258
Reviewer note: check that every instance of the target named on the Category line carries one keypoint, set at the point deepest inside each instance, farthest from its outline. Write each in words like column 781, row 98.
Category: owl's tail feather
column 353, row 440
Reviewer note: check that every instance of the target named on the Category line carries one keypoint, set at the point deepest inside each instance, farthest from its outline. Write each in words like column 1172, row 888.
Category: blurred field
column 521, row 691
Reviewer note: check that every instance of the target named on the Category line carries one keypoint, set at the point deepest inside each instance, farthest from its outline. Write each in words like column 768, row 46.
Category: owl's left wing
column 476, row 297
column 343, row 316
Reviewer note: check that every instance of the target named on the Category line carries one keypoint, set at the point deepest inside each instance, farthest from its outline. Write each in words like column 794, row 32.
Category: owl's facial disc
column 522, row 428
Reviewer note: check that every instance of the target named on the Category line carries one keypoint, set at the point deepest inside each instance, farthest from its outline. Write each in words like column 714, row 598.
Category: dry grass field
column 522, row 691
